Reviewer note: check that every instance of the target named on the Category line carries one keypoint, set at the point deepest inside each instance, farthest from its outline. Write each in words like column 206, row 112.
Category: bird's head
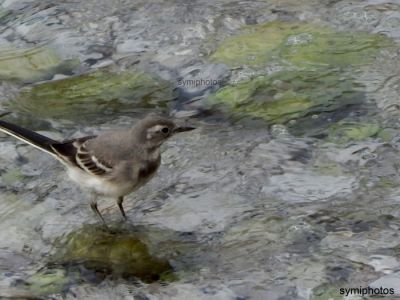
column 153, row 131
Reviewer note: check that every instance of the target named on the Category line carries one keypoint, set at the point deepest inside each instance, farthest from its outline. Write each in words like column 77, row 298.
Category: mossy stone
column 91, row 94
column 47, row 281
column 301, row 44
column 326, row 292
column 254, row 46
column 343, row 132
column 120, row 254
column 316, row 76
column 3, row 13
column 387, row 183
column 387, row 134
column 287, row 95
column 32, row 65
column 11, row 176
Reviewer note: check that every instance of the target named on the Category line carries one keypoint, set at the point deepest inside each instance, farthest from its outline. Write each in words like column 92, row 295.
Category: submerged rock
column 343, row 132
column 327, row 292
column 117, row 254
column 32, row 65
column 288, row 95
column 387, row 285
column 312, row 71
column 93, row 93
column 302, row 44
column 11, row 176
column 47, row 281
column 308, row 187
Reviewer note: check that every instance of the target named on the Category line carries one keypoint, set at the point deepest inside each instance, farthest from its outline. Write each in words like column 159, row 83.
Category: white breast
column 100, row 185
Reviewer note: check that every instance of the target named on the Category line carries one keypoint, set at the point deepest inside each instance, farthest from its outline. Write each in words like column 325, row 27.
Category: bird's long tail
column 28, row 136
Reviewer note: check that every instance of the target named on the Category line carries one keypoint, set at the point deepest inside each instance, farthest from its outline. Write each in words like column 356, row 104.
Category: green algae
column 316, row 66
column 256, row 45
column 3, row 14
column 327, row 47
column 98, row 92
column 344, row 132
column 119, row 254
column 327, row 292
column 328, row 168
column 91, row 254
column 46, row 282
column 301, row 44
column 387, row 134
column 387, row 183
column 32, row 65
column 287, row 95
column 11, row 176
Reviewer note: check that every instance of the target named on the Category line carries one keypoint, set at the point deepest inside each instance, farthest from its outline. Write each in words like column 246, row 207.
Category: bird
column 111, row 164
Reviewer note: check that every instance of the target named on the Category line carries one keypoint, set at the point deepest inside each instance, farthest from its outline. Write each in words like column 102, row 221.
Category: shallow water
column 287, row 189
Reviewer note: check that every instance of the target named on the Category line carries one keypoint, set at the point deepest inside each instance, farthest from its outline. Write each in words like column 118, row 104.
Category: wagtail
column 112, row 164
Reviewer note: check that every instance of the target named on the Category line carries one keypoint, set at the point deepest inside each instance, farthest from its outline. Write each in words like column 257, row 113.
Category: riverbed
column 287, row 189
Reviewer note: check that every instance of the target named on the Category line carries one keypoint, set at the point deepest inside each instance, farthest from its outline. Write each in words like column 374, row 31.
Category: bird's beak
column 183, row 129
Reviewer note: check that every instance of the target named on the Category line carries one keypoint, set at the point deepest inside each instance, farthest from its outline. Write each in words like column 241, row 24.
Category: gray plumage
column 112, row 164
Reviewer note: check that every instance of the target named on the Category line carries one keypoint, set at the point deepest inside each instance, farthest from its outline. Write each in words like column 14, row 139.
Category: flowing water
column 288, row 189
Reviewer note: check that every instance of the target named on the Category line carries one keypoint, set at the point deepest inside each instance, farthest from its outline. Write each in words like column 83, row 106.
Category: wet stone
column 343, row 132
column 46, row 282
column 388, row 282
column 326, row 292
column 299, row 43
column 32, row 65
column 287, row 95
column 101, row 91
column 111, row 253
column 381, row 263
column 301, row 187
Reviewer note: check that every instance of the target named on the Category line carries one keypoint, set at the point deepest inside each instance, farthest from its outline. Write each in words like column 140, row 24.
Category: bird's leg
column 121, row 208
column 93, row 206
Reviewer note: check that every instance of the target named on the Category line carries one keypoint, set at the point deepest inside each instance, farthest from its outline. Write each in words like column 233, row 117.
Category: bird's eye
column 165, row 130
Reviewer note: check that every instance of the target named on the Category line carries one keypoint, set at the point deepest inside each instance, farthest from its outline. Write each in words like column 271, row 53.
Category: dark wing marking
column 68, row 150
column 75, row 153
column 90, row 163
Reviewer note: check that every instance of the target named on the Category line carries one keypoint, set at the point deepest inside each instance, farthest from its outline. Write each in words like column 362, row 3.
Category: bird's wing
column 71, row 152
column 75, row 153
